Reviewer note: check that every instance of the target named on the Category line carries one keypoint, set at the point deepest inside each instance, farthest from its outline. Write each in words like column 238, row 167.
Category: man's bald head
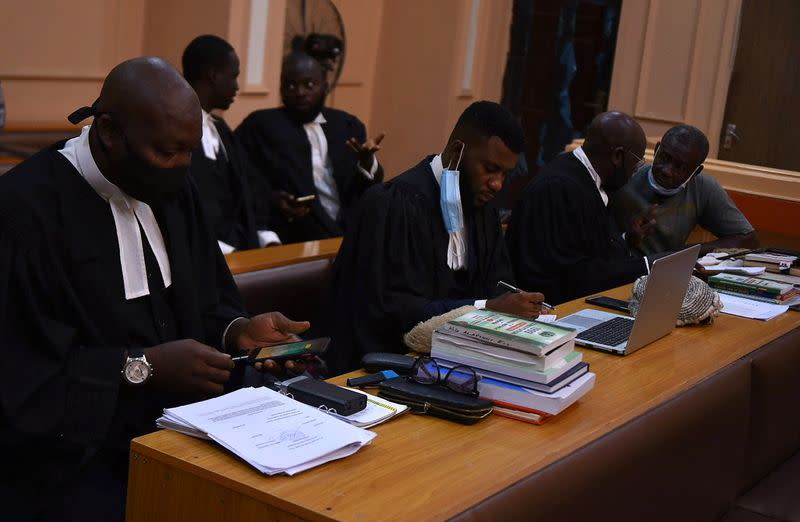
column 614, row 144
column 147, row 123
column 147, row 91
column 614, row 129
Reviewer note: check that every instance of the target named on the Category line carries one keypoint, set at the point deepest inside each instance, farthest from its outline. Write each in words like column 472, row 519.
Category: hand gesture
column 521, row 304
column 642, row 225
column 269, row 329
column 289, row 206
column 366, row 151
column 189, row 366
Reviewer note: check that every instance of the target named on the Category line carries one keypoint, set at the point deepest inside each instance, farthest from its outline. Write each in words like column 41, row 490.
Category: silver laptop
column 658, row 311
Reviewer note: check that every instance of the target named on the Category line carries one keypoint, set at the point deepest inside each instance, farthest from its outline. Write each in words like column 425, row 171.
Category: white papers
column 750, row 308
column 710, row 263
column 749, row 270
column 273, row 433
column 547, row 318
column 378, row 410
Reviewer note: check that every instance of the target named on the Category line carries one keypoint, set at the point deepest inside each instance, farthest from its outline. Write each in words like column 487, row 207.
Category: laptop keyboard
column 610, row 333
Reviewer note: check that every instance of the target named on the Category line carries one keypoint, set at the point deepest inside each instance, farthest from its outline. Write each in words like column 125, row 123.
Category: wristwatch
column 136, row 370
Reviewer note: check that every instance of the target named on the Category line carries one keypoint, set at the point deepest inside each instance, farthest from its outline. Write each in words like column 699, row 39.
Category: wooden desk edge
column 454, row 506
column 222, row 480
column 282, row 255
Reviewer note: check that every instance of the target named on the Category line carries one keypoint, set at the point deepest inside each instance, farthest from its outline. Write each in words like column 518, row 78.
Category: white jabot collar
column 319, row 119
column 212, row 143
column 126, row 211
column 457, row 245
column 593, row 173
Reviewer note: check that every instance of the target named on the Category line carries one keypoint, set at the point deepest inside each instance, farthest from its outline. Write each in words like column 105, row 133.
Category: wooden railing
column 282, row 255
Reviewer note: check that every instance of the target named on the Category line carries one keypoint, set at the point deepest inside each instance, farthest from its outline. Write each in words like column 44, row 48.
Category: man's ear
column 106, row 131
column 210, row 75
column 451, row 153
column 618, row 156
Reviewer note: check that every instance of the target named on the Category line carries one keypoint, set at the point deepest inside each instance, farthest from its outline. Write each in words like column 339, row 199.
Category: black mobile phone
column 289, row 351
column 609, row 302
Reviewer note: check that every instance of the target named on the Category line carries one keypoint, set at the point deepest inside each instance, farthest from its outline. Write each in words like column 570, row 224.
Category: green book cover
column 753, row 283
column 508, row 330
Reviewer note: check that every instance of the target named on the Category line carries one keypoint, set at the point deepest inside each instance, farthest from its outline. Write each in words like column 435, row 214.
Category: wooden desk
column 282, row 255
column 421, row 468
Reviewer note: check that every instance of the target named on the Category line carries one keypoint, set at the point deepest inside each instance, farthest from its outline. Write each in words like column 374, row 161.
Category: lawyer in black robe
column 561, row 239
column 279, row 149
column 391, row 271
column 225, row 194
column 65, row 325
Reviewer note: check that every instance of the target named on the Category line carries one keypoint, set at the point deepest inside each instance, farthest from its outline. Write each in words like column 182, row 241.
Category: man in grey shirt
column 675, row 196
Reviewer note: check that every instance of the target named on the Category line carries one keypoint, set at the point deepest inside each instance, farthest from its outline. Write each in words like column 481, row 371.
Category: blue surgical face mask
column 658, row 188
column 450, row 197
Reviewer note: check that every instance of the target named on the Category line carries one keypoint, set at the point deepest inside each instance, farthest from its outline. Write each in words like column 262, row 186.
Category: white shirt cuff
column 646, row 265
column 372, row 170
column 480, row 304
column 225, row 333
column 225, row 247
column 268, row 237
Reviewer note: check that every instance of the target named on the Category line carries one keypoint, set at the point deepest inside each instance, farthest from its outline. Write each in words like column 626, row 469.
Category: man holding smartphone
column 115, row 300
column 317, row 161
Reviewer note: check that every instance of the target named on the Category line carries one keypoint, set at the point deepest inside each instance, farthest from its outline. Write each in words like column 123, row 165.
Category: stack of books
column 529, row 369
column 774, row 263
column 757, row 288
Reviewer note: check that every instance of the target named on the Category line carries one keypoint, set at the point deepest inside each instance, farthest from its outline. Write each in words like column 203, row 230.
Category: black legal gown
column 391, row 272
column 65, row 323
column 280, row 152
column 225, row 194
column 561, row 239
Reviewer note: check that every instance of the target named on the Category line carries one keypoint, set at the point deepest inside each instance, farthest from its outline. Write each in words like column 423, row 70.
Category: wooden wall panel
column 54, row 55
column 673, row 63
column 354, row 91
column 669, row 44
column 238, row 34
column 418, row 92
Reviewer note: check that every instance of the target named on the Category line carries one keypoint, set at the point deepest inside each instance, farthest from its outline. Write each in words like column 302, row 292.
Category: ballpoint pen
column 513, row 289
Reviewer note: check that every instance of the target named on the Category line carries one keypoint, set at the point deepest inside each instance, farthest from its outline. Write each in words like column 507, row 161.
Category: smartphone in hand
column 286, row 352
column 306, row 199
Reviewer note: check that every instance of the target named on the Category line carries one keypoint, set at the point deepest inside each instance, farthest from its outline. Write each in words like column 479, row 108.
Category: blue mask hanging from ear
column 450, row 197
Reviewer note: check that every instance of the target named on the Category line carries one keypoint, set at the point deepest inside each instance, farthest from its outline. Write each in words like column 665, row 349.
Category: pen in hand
column 513, row 289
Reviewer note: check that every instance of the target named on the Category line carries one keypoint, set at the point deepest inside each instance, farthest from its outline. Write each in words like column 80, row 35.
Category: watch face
column 136, row 372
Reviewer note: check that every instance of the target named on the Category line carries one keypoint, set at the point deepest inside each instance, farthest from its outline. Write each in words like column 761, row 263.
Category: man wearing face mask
column 426, row 242
column 683, row 196
column 316, row 160
column 116, row 301
column 561, row 238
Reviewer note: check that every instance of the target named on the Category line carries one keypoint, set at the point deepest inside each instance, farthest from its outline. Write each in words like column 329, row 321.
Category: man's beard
column 306, row 115
column 465, row 187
